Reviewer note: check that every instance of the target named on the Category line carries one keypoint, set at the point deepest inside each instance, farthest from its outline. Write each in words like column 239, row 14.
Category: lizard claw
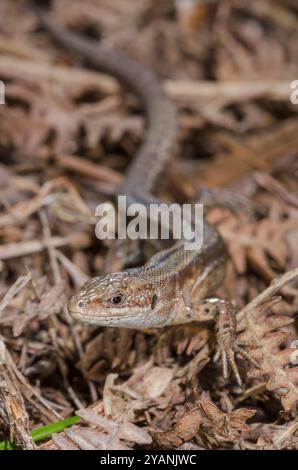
column 227, row 356
column 227, row 344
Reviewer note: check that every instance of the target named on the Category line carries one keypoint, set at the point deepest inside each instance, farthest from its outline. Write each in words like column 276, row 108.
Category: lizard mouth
column 98, row 318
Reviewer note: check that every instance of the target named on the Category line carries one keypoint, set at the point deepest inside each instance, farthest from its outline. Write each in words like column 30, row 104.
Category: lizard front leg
column 223, row 314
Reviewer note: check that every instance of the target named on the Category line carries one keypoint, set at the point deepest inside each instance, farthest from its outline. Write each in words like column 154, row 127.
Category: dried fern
column 263, row 334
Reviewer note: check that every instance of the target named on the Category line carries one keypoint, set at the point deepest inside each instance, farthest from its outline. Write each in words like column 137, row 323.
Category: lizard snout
column 73, row 305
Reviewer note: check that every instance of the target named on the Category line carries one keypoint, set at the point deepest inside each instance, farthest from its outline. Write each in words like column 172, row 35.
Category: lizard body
column 175, row 286
column 160, row 293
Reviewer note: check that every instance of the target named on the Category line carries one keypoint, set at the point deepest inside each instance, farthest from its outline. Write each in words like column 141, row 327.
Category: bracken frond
column 262, row 333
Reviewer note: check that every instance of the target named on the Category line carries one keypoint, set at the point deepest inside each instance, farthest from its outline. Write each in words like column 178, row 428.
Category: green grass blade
column 45, row 431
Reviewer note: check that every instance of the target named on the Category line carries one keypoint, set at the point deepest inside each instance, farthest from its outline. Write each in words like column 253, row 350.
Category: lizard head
column 123, row 299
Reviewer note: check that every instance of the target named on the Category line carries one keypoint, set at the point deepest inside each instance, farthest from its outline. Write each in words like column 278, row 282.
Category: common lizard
column 173, row 287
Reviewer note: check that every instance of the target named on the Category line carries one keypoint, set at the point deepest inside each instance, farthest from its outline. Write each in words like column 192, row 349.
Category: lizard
column 176, row 286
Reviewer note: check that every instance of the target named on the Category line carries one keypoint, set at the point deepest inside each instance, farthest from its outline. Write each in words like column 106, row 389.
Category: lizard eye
column 117, row 299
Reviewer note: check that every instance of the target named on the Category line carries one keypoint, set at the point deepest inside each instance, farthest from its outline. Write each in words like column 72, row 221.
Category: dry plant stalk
column 14, row 418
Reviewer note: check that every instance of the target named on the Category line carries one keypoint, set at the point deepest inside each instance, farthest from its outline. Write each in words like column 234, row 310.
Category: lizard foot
column 227, row 344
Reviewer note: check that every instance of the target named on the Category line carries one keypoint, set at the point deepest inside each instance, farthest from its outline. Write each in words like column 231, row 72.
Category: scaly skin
column 174, row 286
column 161, row 293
